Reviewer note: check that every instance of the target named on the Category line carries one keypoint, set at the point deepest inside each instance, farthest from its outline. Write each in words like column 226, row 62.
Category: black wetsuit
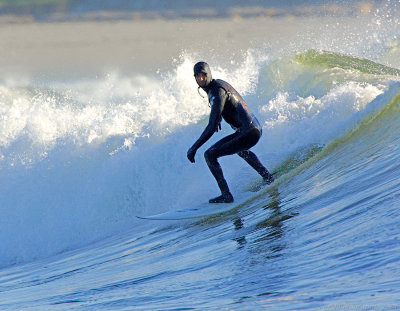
column 227, row 103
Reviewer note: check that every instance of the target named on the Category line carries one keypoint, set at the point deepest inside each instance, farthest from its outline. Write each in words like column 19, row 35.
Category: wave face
column 78, row 161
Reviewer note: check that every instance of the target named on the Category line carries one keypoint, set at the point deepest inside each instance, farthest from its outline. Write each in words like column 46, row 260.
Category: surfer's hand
column 190, row 154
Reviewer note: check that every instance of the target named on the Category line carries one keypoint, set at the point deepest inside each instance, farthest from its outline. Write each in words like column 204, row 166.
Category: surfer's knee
column 210, row 155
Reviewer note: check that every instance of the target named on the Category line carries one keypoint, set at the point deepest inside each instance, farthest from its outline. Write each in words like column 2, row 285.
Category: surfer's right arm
column 217, row 101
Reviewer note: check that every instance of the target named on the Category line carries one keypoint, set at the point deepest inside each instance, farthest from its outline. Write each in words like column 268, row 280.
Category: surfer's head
column 202, row 73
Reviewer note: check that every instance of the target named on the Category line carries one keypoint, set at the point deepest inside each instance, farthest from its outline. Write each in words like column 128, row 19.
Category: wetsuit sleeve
column 217, row 101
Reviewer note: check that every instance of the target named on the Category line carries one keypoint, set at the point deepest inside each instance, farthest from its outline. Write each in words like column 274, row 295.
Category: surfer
column 227, row 103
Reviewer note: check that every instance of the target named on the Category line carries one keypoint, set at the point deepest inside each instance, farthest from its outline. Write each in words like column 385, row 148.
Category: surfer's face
column 201, row 79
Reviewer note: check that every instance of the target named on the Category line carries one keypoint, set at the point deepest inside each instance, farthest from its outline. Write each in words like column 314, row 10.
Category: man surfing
column 227, row 103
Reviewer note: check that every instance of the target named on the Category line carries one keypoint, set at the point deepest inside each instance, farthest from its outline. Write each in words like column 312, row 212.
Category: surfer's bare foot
column 224, row 198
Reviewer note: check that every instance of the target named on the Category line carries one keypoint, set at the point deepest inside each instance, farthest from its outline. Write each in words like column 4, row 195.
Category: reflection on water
column 267, row 233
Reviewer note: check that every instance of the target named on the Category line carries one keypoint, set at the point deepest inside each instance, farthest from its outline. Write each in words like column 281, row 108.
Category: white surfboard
column 204, row 209
column 199, row 211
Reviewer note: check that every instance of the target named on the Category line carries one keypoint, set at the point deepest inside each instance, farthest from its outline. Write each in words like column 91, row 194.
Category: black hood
column 204, row 68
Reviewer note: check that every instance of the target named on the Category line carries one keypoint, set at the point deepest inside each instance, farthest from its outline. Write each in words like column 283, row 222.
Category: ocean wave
column 78, row 158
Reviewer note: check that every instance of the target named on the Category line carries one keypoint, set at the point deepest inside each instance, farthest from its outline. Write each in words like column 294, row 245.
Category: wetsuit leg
column 211, row 156
column 235, row 143
column 255, row 163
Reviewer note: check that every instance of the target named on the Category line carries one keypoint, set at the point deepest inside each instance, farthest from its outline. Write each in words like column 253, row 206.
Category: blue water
column 79, row 159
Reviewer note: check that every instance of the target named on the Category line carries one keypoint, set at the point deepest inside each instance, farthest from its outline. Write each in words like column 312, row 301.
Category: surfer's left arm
column 217, row 105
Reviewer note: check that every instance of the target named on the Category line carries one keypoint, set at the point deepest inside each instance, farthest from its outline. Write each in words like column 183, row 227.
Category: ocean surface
column 79, row 159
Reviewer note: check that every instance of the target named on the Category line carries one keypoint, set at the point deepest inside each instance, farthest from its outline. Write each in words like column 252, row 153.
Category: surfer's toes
column 225, row 198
